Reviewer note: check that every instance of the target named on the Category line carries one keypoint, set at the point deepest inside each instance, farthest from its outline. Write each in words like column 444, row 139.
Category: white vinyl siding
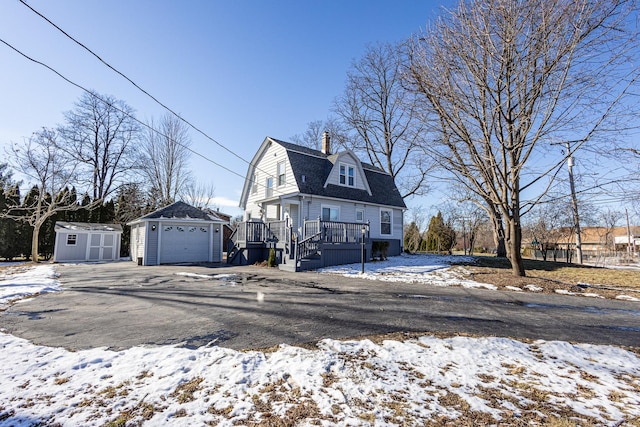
column 272, row 161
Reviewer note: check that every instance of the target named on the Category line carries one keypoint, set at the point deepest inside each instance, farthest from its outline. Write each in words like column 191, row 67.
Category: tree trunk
column 514, row 248
column 498, row 234
column 34, row 243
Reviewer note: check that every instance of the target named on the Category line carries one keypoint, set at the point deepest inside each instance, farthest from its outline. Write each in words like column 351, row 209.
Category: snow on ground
column 35, row 280
column 340, row 383
column 359, row 382
column 226, row 279
column 433, row 270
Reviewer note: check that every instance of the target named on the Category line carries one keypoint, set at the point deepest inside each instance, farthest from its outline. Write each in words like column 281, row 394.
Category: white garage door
column 184, row 243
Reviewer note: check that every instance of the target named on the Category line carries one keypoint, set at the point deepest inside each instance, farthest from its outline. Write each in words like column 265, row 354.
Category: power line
column 79, row 86
column 132, row 82
column 145, row 92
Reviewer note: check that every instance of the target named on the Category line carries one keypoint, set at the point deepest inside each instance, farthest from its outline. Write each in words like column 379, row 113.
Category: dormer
column 347, row 172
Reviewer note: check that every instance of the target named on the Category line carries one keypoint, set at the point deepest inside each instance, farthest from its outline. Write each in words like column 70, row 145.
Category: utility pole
column 574, row 204
column 628, row 234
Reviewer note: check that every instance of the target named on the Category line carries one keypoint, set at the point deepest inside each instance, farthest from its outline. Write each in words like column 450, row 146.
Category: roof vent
column 326, row 143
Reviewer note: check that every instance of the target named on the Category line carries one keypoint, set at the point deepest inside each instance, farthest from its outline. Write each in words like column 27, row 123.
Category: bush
column 379, row 249
column 271, row 262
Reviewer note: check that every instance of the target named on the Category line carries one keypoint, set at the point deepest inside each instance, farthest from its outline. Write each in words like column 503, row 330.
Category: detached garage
column 83, row 241
column 175, row 234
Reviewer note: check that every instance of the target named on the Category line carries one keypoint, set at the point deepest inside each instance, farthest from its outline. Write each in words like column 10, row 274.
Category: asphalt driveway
column 120, row 305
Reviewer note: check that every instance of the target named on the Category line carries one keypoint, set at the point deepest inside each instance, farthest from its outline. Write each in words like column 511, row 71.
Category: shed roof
column 87, row 226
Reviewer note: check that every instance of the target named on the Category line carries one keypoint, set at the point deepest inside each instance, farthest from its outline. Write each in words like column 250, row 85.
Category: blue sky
column 238, row 70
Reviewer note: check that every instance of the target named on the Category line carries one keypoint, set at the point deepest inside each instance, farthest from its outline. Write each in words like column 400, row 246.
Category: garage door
column 184, row 243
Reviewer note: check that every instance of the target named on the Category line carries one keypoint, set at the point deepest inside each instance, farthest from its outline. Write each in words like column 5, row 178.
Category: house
column 599, row 240
column 315, row 205
column 178, row 233
column 82, row 241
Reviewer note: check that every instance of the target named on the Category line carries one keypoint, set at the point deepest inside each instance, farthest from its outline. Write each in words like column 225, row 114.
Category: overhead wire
column 207, row 136
column 79, row 86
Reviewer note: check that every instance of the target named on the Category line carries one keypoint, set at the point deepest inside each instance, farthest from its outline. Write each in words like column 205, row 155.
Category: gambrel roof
column 315, row 166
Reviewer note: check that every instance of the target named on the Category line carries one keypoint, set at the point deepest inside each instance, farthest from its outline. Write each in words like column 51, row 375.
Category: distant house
column 597, row 240
column 315, row 207
column 178, row 233
column 82, row 241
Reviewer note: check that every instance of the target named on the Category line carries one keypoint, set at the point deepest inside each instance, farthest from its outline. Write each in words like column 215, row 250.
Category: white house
column 81, row 241
column 316, row 191
column 178, row 233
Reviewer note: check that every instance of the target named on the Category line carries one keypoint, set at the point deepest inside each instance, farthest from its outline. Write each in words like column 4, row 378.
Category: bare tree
column 385, row 122
column 198, row 194
column 101, row 133
column 505, row 78
column 165, row 153
column 46, row 166
column 610, row 218
column 312, row 136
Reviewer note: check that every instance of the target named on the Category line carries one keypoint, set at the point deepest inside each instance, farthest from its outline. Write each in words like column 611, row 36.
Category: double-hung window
column 282, row 177
column 386, row 215
column 347, row 175
column 269, row 189
column 254, row 186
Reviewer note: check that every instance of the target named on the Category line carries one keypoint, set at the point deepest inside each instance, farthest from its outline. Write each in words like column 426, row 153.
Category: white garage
column 178, row 233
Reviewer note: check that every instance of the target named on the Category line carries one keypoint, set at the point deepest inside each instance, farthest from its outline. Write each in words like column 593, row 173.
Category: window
column 330, row 213
column 72, row 239
column 360, row 215
column 254, row 184
column 385, row 221
column 269, row 189
column 347, row 175
column 281, row 174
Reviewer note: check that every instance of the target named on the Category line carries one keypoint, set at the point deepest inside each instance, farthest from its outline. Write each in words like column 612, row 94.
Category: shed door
column 101, row 247
column 184, row 243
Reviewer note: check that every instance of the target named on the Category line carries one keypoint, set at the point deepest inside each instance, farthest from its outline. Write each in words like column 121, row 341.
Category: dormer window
column 347, row 175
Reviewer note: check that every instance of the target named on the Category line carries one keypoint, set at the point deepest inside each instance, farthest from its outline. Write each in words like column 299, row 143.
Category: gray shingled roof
column 316, row 166
column 86, row 226
column 180, row 210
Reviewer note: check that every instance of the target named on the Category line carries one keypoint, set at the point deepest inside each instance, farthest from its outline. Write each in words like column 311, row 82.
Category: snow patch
column 36, row 280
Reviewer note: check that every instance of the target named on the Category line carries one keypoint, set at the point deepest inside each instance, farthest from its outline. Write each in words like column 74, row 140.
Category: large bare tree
column 165, row 158
column 506, row 78
column 383, row 115
column 101, row 134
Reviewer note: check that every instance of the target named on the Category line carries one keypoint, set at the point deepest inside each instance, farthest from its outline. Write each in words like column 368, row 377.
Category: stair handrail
column 307, row 246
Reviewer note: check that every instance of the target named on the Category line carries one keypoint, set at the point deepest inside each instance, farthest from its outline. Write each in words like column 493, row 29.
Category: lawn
column 557, row 277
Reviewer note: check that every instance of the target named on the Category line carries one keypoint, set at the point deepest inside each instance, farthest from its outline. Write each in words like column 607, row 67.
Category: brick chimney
column 326, row 143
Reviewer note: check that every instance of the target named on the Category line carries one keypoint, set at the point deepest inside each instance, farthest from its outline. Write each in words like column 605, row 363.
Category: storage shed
column 83, row 241
column 178, row 233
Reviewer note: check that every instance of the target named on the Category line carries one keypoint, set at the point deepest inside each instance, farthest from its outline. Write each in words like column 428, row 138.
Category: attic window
column 347, row 175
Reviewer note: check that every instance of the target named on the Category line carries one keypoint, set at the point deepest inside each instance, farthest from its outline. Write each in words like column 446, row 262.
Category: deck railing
column 336, row 231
